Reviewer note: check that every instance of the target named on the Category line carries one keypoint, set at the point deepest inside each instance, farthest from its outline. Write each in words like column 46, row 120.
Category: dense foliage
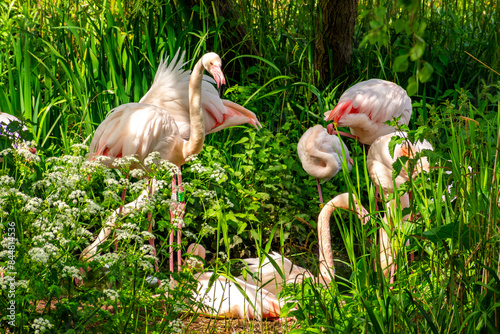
column 64, row 65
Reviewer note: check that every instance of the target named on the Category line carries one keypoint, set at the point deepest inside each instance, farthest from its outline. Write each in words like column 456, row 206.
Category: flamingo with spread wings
column 365, row 107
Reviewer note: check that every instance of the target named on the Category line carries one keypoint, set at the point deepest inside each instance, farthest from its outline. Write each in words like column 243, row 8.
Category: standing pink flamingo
column 365, row 107
column 379, row 162
column 322, row 154
column 169, row 91
column 139, row 129
column 271, row 276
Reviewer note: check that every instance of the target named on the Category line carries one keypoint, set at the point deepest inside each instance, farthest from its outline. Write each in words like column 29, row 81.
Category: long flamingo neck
column 197, row 132
column 326, row 265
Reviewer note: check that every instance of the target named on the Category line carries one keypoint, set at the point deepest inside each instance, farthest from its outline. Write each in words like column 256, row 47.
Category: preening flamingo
column 223, row 297
column 380, row 167
column 270, row 278
column 169, row 91
column 139, row 129
column 322, row 154
column 365, row 107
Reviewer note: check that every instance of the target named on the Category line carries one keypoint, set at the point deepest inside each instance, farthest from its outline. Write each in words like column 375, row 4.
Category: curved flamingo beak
column 219, row 78
column 330, row 129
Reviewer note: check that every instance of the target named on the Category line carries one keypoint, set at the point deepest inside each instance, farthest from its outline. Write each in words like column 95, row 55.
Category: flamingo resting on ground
column 224, row 297
column 322, row 154
column 138, row 129
column 380, row 167
column 365, row 107
column 169, row 92
column 269, row 277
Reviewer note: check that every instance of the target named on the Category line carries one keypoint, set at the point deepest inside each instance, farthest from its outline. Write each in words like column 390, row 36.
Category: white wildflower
column 199, row 168
column 80, row 147
column 72, row 160
column 7, row 180
column 125, row 162
column 111, row 294
column 61, row 205
column 38, row 255
column 33, row 205
column 137, row 173
column 152, row 159
column 5, row 152
column 26, row 154
column 176, row 325
column 77, row 196
column 41, row 325
column 71, row 272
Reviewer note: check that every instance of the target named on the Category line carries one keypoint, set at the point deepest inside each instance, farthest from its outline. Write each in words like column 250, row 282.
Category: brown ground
column 230, row 326
column 200, row 324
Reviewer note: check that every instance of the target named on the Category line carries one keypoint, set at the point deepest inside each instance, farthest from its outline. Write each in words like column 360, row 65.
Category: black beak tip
column 222, row 89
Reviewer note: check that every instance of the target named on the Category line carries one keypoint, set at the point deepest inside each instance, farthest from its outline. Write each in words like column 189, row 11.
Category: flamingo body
column 270, row 277
column 222, row 298
column 169, row 91
column 379, row 160
column 365, row 107
column 321, row 153
column 138, row 129
column 230, row 298
column 379, row 163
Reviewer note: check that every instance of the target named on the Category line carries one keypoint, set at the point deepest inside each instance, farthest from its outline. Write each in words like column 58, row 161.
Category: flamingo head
column 213, row 65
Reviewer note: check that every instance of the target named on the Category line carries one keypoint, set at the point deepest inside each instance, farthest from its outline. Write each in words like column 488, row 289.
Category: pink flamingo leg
column 319, row 191
column 180, row 212
column 172, row 218
column 150, row 229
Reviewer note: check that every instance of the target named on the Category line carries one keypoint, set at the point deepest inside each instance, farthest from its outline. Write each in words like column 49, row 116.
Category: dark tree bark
column 335, row 31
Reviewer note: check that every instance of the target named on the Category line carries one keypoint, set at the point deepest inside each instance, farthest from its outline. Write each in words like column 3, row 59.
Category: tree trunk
column 335, row 31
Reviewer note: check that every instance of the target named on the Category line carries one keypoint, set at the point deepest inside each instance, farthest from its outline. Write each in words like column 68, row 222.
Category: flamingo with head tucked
column 365, row 107
column 322, row 155
column 138, row 129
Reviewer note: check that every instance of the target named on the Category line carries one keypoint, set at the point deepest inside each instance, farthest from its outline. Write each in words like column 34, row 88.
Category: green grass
column 64, row 66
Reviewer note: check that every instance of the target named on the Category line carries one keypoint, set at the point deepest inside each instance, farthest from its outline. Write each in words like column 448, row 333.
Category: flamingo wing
column 137, row 129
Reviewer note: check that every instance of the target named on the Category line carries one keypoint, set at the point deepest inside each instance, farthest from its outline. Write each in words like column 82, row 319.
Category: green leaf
column 412, row 87
column 400, row 63
column 425, row 72
column 417, row 51
column 401, row 25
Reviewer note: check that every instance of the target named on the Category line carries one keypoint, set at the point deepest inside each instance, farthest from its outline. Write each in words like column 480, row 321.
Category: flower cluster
column 41, row 325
